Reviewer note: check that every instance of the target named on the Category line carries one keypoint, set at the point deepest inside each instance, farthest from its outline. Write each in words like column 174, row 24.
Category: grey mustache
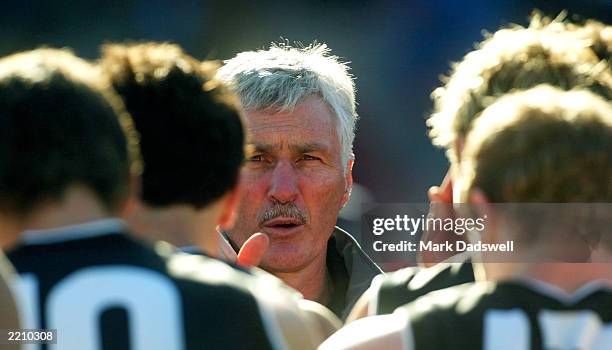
column 283, row 210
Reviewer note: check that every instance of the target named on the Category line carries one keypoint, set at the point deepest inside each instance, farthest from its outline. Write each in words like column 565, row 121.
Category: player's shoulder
column 462, row 315
column 478, row 297
column 458, row 299
column 408, row 284
column 216, row 294
column 443, row 275
column 256, row 298
column 205, row 272
column 454, row 314
column 399, row 278
column 415, row 278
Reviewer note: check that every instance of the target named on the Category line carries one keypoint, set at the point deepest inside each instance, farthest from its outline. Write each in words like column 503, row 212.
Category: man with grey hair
column 299, row 107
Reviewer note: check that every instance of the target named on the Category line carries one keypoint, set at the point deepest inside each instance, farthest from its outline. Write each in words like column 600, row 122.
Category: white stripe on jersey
column 506, row 330
column 72, row 232
column 375, row 289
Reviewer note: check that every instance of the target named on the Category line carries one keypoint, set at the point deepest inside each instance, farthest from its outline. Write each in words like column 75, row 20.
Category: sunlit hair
column 279, row 78
column 541, row 145
column 512, row 59
column 596, row 34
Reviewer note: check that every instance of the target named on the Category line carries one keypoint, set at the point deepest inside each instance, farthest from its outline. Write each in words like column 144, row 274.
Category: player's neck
column 313, row 281
column 171, row 224
column 570, row 276
column 180, row 225
column 77, row 205
column 567, row 276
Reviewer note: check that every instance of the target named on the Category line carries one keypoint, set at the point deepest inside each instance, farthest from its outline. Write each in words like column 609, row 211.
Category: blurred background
column 397, row 50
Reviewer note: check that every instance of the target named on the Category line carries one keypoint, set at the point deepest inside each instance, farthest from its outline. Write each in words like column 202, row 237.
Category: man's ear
column 229, row 206
column 444, row 192
column 132, row 199
column 348, row 180
column 479, row 202
column 482, row 208
column 477, row 196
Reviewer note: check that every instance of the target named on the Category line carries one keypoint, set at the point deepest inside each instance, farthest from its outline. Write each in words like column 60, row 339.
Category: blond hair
column 541, row 145
column 511, row 59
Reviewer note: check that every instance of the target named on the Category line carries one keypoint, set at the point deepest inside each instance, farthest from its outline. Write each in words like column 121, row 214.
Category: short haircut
column 541, row 145
column 512, row 59
column 192, row 138
column 281, row 77
column 597, row 35
column 60, row 125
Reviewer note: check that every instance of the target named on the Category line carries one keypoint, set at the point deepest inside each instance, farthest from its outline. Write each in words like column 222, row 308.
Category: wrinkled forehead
column 310, row 122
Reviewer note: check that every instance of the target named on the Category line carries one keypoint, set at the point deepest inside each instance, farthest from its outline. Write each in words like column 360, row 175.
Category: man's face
column 293, row 183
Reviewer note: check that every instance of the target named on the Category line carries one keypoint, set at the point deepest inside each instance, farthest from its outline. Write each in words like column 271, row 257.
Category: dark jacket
column 351, row 271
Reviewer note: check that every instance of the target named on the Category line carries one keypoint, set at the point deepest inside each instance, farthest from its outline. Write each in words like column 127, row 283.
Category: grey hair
column 282, row 76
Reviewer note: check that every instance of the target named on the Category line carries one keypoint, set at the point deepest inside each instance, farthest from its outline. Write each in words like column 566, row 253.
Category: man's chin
column 284, row 260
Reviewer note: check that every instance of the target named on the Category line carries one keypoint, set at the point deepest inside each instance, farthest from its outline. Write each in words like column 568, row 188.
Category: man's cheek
column 325, row 184
column 330, row 194
column 254, row 191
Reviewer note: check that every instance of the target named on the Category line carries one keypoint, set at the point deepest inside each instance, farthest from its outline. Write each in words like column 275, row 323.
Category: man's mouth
column 282, row 227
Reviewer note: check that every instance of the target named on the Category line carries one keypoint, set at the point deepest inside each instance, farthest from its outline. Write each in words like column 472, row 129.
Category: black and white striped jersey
column 511, row 315
column 102, row 289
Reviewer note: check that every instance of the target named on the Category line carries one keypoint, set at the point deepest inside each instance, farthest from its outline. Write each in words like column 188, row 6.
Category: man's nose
column 284, row 188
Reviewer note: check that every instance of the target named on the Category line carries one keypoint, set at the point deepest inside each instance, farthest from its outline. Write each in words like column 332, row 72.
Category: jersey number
column 75, row 304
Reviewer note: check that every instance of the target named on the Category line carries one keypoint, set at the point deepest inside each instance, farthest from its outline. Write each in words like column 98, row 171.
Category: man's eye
column 307, row 157
column 257, row 158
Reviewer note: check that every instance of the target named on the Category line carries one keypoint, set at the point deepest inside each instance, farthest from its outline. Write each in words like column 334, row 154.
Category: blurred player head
column 191, row 140
column 509, row 60
column 543, row 145
column 595, row 34
column 300, row 114
column 68, row 148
